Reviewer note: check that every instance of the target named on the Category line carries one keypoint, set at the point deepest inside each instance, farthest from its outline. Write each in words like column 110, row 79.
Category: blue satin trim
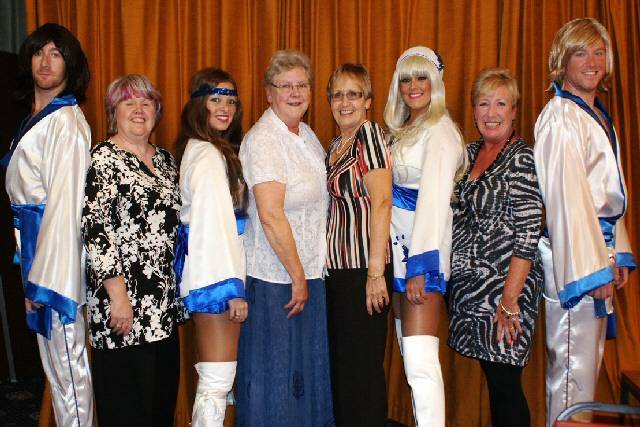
column 434, row 282
column 404, row 198
column 625, row 259
column 27, row 124
column 600, row 308
column 182, row 250
column 609, row 122
column 574, row 291
column 611, row 326
column 426, row 262
column 27, row 218
column 606, row 226
column 40, row 321
column 241, row 219
column 214, row 298
column 182, row 244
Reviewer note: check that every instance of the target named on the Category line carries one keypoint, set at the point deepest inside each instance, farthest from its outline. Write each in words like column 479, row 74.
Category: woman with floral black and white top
column 129, row 227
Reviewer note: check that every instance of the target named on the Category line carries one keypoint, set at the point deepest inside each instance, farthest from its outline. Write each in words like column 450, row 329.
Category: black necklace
column 506, row 144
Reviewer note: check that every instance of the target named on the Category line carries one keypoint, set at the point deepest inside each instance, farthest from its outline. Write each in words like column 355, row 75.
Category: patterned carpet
column 20, row 402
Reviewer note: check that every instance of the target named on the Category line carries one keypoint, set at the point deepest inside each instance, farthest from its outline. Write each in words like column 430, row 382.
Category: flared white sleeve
column 58, row 262
column 430, row 247
column 580, row 256
column 214, row 270
column 624, row 256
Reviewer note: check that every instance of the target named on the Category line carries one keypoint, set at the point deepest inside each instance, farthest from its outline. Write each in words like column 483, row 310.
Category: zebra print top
column 350, row 204
column 496, row 216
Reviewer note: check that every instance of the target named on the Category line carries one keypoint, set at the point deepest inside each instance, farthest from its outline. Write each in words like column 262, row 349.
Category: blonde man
column 585, row 250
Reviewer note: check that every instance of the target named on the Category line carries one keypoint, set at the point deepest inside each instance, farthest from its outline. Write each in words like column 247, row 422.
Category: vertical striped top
column 350, row 204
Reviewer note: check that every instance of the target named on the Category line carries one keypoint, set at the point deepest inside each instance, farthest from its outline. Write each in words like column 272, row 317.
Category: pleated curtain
column 168, row 40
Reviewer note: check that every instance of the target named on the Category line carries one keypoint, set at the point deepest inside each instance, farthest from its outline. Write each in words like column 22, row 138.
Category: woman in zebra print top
column 496, row 274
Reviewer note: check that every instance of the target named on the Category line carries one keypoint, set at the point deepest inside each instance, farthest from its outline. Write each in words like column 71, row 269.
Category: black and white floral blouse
column 129, row 224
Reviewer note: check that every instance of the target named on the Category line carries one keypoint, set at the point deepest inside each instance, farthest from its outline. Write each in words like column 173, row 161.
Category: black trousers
column 357, row 344
column 137, row 385
column 509, row 406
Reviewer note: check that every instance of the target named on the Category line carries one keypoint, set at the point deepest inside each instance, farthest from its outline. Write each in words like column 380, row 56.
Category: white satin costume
column 210, row 263
column 214, row 260
column 45, row 181
column 581, row 180
column 421, row 228
column 421, row 216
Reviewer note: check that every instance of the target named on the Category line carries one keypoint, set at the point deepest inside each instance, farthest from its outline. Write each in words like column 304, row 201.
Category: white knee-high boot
column 422, row 367
column 215, row 379
column 398, row 324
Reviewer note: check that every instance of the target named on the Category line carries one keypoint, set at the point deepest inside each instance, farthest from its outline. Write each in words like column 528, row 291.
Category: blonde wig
column 574, row 36
column 417, row 61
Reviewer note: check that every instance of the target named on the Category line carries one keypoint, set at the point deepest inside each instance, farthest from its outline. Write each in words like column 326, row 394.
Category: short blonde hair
column 572, row 37
column 284, row 60
column 357, row 72
column 490, row 79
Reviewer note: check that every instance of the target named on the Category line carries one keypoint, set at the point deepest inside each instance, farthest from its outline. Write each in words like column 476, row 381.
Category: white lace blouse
column 270, row 152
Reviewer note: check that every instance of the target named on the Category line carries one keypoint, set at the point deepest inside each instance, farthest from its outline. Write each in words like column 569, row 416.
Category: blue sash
column 27, row 218
column 182, row 244
column 182, row 250
column 241, row 219
column 213, row 298
column 27, row 124
column 404, row 198
column 600, row 307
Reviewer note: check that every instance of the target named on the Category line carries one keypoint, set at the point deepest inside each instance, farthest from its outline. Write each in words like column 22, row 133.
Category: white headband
column 424, row 52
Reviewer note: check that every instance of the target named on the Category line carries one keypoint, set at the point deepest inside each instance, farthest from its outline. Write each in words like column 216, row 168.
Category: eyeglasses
column 351, row 95
column 289, row 87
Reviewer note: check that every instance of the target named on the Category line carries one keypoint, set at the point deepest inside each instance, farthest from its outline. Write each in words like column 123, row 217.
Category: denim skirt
column 283, row 364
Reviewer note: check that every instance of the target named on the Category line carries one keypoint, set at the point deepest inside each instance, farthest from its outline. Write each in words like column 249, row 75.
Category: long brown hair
column 195, row 124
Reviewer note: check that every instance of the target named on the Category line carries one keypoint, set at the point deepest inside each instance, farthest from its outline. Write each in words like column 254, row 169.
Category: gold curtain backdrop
column 168, row 40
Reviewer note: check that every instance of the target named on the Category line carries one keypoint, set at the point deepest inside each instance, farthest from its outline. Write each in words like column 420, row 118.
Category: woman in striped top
column 359, row 280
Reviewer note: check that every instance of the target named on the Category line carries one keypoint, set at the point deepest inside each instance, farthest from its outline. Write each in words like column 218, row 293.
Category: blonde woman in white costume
column 428, row 152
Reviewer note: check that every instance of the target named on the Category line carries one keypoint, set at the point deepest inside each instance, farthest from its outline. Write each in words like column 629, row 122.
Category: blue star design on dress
column 399, row 240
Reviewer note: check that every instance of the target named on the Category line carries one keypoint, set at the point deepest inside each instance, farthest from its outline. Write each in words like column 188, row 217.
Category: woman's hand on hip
column 415, row 290
column 299, row 296
column 377, row 296
column 238, row 310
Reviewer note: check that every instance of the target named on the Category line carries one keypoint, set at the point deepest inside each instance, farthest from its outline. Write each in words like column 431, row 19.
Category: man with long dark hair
column 46, row 168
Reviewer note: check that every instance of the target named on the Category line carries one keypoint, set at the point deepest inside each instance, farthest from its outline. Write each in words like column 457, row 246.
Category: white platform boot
column 215, row 380
column 422, row 367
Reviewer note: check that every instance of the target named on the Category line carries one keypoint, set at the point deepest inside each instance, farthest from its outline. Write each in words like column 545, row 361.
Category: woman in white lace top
column 283, row 362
